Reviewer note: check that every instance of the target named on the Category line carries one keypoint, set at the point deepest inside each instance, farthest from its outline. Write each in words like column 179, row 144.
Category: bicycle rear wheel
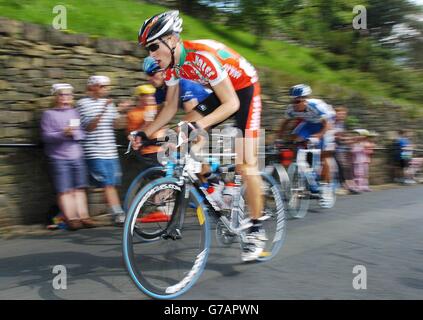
column 299, row 196
column 168, row 265
column 274, row 218
column 278, row 172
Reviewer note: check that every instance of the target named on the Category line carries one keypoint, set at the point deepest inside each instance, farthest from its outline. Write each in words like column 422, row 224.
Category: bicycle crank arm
column 235, row 231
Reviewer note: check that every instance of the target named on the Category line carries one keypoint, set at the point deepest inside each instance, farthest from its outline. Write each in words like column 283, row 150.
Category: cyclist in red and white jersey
column 234, row 81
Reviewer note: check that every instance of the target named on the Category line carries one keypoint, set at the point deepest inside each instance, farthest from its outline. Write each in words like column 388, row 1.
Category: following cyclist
column 195, row 99
column 235, row 83
column 317, row 119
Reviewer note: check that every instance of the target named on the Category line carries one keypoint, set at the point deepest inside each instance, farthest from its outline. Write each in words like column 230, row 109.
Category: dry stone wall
column 32, row 57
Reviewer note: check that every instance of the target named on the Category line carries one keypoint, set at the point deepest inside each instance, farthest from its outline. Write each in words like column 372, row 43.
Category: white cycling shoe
column 327, row 199
column 254, row 245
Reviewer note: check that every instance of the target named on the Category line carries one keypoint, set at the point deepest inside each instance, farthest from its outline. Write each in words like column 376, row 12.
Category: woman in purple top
column 61, row 133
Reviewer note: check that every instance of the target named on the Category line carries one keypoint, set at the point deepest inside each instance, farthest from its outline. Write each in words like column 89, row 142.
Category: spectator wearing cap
column 61, row 133
column 99, row 117
column 141, row 115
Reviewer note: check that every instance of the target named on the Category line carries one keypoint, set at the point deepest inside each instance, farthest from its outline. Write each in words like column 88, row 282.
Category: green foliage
column 352, row 122
column 327, row 52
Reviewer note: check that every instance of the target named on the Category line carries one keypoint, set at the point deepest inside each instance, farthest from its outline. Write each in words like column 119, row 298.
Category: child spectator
column 362, row 150
column 61, row 133
column 343, row 156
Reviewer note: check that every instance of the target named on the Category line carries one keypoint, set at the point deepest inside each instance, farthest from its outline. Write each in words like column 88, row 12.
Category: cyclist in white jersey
column 316, row 121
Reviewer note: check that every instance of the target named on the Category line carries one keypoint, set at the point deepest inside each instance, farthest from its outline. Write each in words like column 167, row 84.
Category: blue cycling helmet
column 150, row 66
column 300, row 90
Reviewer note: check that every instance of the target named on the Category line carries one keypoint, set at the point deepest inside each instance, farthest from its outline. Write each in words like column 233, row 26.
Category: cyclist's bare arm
column 192, row 116
column 230, row 104
column 282, row 128
column 168, row 111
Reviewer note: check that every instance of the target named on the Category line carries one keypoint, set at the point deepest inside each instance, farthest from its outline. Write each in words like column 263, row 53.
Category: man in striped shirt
column 98, row 117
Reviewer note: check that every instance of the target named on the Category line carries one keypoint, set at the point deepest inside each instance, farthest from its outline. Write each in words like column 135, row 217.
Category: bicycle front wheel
column 139, row 182
column 169, row 265
column 299, row 196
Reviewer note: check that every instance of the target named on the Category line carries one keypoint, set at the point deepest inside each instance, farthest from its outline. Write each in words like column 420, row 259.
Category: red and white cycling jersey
column 209, row 62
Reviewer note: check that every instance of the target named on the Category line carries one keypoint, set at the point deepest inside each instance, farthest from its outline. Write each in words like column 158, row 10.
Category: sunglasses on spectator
column 65, row 94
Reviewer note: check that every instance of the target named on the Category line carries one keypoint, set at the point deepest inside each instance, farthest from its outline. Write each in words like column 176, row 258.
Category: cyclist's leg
column 326, row 174
column 248, row 120
column 247, row 165
column 328, row 148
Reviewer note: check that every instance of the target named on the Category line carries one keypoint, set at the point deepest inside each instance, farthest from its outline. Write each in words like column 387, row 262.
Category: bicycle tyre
column 137, row 184
column 148, row 278
column 275, row 225
column 299, row 198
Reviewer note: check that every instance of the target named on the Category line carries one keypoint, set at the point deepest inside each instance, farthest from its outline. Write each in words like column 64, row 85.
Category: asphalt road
column 382, row 231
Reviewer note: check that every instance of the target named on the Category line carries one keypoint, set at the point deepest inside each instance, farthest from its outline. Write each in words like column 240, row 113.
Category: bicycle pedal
column 264, row 217
column 243, row 227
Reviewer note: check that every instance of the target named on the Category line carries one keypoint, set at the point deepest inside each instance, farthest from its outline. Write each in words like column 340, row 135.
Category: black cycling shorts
column 249, row 114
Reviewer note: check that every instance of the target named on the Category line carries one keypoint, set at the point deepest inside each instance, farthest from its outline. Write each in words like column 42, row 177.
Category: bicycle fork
column 173, row 229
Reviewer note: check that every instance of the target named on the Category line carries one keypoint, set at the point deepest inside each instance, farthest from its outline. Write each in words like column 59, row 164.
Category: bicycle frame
column 303, row 165
column 190, row 171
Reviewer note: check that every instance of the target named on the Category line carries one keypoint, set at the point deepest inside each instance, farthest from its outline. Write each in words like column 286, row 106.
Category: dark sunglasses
column 65, row 94
column 298, row 100
column 152, row 73
column 153, row 47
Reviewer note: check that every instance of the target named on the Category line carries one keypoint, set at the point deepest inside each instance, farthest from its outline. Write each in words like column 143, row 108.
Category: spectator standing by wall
column 99, row 117
column 362, row 150
column 343, row 155
column 61, row 133
column 142, row 114
column 403, row 156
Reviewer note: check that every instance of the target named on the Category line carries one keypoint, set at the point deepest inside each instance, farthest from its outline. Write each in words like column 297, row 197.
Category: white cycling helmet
column 159, row 26
column 300, row 90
